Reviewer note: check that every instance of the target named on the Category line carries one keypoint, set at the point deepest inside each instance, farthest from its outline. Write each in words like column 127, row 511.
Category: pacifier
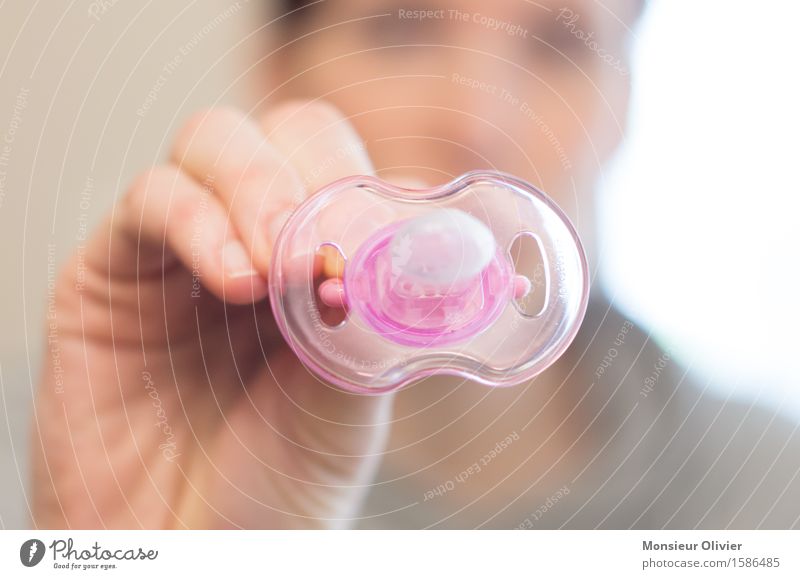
column 375, row 286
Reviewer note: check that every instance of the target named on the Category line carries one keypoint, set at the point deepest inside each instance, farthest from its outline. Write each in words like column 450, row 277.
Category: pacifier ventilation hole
column 532, row 271
column 329, row 297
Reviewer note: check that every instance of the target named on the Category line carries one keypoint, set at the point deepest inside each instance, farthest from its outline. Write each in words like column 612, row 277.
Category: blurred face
column 538, row 89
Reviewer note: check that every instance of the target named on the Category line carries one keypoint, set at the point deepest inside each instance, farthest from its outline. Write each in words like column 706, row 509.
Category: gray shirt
column 667, row 451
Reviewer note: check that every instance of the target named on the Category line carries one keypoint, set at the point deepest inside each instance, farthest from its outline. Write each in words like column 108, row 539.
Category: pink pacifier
column 424, row 282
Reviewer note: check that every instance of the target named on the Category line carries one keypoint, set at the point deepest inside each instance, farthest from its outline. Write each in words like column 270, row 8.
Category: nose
column 484, row 100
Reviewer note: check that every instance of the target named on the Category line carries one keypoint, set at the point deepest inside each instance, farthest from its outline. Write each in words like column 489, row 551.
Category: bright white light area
column 701, row 214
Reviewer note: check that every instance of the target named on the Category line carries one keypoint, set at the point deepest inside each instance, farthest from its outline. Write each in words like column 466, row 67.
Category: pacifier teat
column 433, row 279
column 431, row 288
column 440, row 249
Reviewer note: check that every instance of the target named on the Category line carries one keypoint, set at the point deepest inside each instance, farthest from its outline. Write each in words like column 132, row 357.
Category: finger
column 167, row 211
column 257, row 185
column 318, row 140
column 323, row 146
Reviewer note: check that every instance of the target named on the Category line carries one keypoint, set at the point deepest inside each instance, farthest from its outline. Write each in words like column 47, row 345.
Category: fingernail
column 236, row 261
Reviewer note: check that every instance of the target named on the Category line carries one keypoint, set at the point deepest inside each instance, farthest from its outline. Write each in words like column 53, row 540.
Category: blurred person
column 615, row 435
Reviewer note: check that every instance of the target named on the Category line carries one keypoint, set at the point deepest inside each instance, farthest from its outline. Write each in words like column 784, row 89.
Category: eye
column 556, row 39
column 389, row 30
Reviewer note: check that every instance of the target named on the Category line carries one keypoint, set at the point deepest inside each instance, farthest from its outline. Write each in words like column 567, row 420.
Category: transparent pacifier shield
column 347, row 214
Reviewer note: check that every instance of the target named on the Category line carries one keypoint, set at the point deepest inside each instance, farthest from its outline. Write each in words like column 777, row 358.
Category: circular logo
column 31, row 552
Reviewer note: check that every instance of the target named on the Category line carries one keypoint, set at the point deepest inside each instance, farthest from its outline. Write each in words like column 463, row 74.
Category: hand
column 173, row 400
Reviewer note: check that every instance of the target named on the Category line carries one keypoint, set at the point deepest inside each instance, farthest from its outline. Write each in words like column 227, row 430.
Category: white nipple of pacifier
column 441, row 248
